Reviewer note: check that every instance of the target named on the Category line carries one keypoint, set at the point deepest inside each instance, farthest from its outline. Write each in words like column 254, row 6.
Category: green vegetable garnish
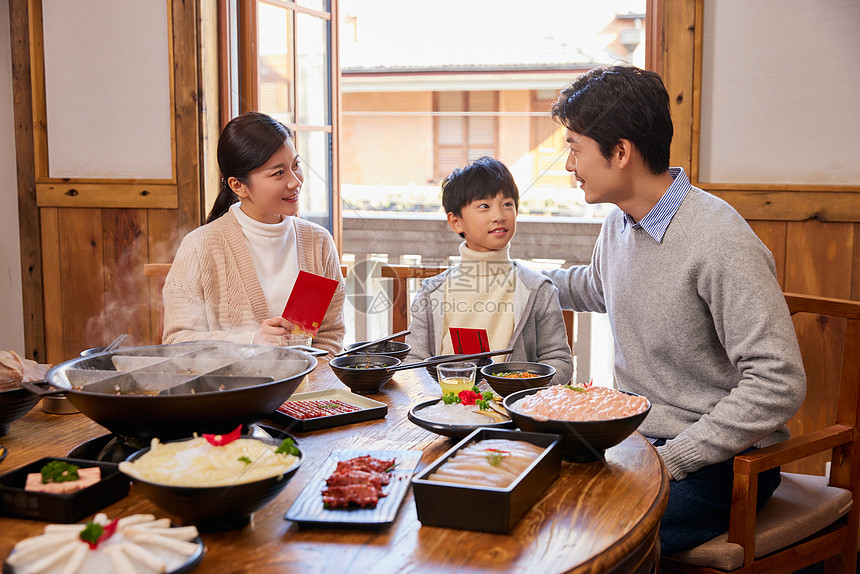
column 92, row 532
column 245, row 459
column 59, row 471
column 577, row 389
column 494, row 456
column 483, row 405
column 450, row 398
column 475, row 389
column 288, row 447
column 488, row 395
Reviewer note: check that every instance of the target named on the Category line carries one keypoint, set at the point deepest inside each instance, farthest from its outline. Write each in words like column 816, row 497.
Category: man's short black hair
column 484, row 178
column 620, row 102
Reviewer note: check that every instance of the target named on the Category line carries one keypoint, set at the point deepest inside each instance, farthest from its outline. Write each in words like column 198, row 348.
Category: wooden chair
column 810, row 518
column 401, row 299
column 157, row 272
column 401, row 274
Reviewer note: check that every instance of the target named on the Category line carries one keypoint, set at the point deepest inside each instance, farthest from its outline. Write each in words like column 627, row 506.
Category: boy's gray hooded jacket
column 539, row 330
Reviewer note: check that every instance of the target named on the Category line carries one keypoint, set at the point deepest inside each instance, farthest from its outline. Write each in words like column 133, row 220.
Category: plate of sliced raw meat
column 359, row 488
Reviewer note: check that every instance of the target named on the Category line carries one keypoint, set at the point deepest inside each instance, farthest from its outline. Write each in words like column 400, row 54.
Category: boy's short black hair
column 620, row 102
column 484, row 178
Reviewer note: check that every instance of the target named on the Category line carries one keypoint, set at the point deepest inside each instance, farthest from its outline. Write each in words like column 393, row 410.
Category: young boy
column 700, row 323
column 518, row 307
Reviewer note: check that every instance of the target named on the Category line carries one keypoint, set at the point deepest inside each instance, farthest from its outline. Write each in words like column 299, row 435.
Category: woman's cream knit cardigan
column 212, row 291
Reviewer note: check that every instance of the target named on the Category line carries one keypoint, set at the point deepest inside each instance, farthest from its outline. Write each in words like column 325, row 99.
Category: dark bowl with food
column 507, row 378
column 213, row 508
column 454, row 358
column 14, row 404
column 364, row 374
column 389, row 348
column 584, row 441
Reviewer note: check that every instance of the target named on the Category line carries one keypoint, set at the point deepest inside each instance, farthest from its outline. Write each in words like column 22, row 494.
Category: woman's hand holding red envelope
column 272, row 330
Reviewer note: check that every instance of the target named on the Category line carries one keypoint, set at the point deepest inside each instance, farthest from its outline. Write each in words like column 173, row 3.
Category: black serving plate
column 487, row 508
column 308, row 507
column 449, row 430
column 370, row 409
column 62, row 508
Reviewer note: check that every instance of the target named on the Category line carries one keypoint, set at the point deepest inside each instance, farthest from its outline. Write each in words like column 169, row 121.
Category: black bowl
column 584, row 441
column 505, row 386
column 214, row 508
column 389, row 348
column 364, row 374
column 455, row 358
column 445, row 429
column 14, row 405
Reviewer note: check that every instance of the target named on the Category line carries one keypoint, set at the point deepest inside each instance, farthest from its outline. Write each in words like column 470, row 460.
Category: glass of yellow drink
column 456, row 377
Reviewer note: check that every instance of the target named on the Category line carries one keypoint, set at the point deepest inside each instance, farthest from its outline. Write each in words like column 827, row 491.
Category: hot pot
column 172, row 391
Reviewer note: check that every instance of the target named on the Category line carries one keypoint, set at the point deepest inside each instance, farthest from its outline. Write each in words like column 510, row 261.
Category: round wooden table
column 596, row 517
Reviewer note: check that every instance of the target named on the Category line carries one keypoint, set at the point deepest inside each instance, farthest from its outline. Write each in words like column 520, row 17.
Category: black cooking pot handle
column 43, row 389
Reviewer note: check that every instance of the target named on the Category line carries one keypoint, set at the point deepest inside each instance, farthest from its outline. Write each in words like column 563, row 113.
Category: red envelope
column 469, row 341
column 309, row 300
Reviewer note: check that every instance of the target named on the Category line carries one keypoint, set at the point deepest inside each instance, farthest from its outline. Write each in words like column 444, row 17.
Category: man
column 700, row 324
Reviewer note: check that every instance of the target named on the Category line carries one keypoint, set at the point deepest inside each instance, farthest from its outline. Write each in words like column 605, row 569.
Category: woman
column 231, row 278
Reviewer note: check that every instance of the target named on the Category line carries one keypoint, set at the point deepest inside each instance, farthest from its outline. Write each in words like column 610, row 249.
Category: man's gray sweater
column 701, row 328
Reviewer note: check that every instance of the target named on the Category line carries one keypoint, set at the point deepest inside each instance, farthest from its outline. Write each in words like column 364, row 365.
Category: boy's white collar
column 500, row 256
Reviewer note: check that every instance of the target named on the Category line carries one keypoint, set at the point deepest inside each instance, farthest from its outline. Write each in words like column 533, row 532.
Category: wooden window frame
column 247, row 19
column 95, row 192
column 677, row 24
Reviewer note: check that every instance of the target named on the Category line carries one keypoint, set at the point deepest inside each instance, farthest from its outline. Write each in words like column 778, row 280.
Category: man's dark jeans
column 699, row 505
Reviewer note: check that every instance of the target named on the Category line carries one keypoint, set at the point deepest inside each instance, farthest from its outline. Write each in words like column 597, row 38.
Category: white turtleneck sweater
column 479, row 294
column 273, row 251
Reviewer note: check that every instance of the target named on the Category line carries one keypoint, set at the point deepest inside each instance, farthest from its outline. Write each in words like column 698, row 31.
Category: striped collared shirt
column 658, row 219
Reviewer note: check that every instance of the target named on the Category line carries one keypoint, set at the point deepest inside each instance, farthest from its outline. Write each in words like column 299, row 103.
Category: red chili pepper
column 107, row 532
column 223, row 439
column 468, row 398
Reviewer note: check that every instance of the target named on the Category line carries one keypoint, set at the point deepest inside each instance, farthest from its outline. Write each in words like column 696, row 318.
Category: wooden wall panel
column 35, row 344
column 772, row 234
column 53, row 296
column 855, row 268
column 82, row 281
column 676, row 68
column 820, row 258
column 126, row 308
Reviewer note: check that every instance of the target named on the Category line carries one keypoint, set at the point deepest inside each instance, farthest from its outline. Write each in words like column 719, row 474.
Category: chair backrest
column 158, row 272
column 830, row 341
column 401, row 299
column 829, row 334
column 401, row 274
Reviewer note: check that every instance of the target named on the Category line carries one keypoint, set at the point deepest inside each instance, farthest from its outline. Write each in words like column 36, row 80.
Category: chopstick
column 372, row 343
column 440, row 360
